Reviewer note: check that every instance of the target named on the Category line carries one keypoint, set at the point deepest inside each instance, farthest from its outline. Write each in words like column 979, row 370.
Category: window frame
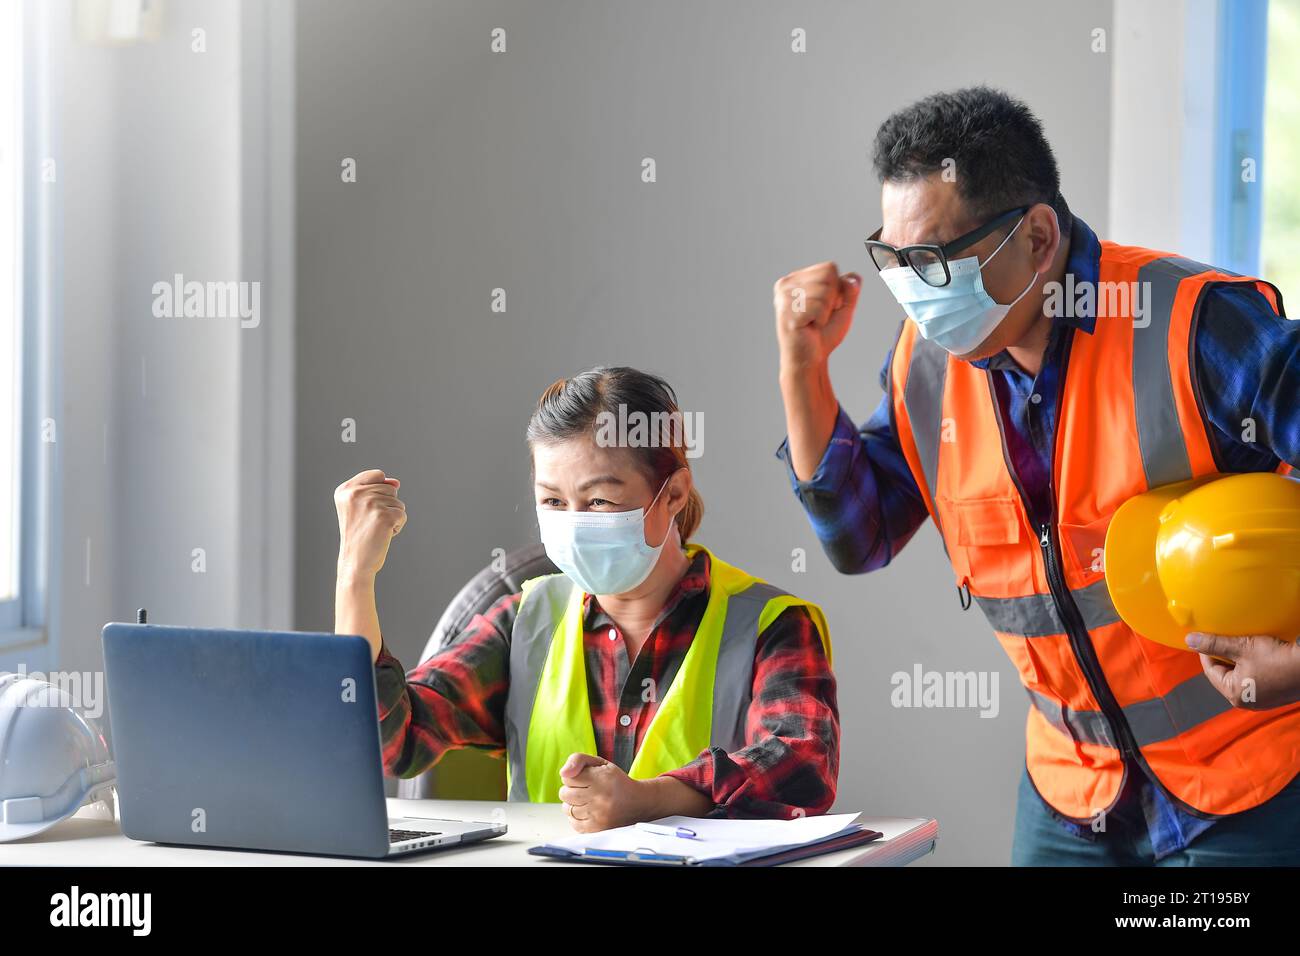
column 1242, row 79
column 13, row 610
column 26, row 622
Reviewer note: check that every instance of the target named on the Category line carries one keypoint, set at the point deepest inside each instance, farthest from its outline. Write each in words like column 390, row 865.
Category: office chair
column 472, row 774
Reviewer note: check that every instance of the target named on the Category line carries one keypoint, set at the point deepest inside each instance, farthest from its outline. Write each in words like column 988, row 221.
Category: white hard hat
column 53, row 759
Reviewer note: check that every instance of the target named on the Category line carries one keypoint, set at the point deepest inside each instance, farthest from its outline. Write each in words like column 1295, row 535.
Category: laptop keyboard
column 397, row 836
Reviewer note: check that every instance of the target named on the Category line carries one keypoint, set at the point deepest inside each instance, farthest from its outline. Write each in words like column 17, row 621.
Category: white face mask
column 960, row 315
column 602, row 552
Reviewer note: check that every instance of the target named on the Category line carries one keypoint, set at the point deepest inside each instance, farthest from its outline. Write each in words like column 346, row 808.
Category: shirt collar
column 1082, row 269
column 694, row 581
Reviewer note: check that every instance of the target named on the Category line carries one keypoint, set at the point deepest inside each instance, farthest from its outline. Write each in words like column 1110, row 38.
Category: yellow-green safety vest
column 548, row 712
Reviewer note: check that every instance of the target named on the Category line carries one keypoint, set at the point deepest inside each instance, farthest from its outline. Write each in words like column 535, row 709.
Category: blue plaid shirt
column 864, row 505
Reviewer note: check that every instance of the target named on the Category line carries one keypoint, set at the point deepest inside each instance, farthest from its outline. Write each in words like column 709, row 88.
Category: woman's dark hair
column 992, row 141
column 583, row 404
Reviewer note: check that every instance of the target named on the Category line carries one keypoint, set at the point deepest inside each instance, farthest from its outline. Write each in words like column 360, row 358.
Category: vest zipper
column 1075, row 628
column 1081, row 642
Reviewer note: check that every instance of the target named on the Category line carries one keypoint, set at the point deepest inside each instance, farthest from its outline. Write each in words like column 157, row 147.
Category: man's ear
column 1044, row 232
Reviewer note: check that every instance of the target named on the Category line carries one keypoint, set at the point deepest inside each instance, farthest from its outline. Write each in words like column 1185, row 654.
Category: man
column 1041, row 379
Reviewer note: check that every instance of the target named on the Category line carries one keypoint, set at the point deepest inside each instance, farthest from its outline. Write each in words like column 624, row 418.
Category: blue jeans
column 1266, row 835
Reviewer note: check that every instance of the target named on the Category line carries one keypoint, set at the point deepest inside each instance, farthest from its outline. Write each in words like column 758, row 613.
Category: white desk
column 88, row 842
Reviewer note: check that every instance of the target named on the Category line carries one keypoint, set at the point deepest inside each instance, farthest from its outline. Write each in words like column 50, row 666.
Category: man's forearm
column 810, row 413
column 355, row 611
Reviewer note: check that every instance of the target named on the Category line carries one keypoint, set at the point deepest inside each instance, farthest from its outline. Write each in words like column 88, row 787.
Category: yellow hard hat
column 1219, row 554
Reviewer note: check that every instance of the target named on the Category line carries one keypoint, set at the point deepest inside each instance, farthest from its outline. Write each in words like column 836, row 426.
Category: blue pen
column 682, row 832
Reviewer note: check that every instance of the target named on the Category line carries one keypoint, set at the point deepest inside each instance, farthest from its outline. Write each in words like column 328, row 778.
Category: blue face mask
column 960, row 315
column 602, row 552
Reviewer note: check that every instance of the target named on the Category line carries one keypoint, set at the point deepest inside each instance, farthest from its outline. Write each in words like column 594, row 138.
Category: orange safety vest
column 1129, row 418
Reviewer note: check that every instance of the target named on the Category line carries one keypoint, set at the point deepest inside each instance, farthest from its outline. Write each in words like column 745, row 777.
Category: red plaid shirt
column 789, row 765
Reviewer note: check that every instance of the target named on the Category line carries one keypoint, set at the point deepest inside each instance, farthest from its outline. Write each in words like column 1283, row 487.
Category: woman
column 650, row 678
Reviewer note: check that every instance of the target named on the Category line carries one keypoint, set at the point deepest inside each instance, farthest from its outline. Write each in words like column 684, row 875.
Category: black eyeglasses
column 923, row 258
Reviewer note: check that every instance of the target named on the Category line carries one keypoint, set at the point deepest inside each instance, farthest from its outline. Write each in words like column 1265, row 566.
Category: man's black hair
column 992, row 142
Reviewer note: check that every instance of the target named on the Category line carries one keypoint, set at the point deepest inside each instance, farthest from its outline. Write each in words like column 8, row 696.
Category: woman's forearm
column 355, row 611
column 670, row 797
column 370, row 516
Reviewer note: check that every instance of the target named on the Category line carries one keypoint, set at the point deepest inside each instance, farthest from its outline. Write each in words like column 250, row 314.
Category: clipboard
column 838, row 841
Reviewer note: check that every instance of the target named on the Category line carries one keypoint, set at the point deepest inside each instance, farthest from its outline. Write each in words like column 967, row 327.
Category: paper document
column 715, row 839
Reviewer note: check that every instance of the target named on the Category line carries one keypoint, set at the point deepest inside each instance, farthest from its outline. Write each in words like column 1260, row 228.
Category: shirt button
column 1035, row 398
column 625, row 720
column 613, row 634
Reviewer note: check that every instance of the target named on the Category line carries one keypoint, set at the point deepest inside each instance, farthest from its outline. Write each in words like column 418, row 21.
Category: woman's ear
column 673, row 495
column 678, row 491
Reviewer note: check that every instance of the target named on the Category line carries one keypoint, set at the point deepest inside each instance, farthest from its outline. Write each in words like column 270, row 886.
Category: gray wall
column 147, row 423
column 522, row 171
column 170, row 431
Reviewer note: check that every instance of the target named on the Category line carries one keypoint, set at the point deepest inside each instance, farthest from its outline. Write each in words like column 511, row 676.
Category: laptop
column 256, row 740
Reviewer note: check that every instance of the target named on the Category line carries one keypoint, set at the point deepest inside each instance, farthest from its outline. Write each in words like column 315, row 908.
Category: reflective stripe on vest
column 923, row 398
column 1035, row 615
column 1160, row 434
column 548, row 711
column 1153, row 721
column 1212, row 758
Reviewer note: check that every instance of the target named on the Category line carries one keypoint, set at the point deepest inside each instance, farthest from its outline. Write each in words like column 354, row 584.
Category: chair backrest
column 470, row 774
column 485, row 589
